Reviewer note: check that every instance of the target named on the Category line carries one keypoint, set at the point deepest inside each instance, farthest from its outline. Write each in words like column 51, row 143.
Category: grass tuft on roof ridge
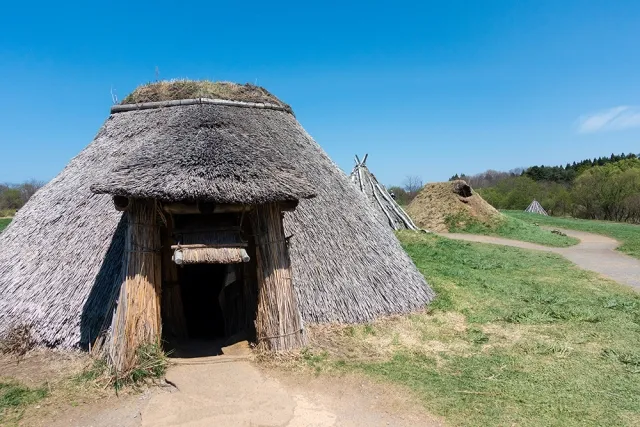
column 172, row 90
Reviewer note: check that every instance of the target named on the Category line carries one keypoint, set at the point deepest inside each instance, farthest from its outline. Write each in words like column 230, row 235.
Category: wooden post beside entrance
column 278, row 322
column 137, row 318
column 172, row 307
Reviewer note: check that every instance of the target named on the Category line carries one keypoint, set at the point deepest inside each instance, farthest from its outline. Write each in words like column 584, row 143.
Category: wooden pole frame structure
column 381, row 197
column 536, row 207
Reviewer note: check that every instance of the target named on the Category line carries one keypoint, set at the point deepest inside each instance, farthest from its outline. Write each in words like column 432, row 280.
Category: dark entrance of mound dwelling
column 209, row 281
column 462, row 189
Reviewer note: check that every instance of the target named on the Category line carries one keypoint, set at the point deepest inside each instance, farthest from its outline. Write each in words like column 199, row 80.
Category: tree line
column 568, row 173
column 14, row 196
column 410, row 188
column 606, row 188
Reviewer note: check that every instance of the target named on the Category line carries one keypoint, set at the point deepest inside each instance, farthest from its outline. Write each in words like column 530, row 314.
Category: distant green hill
column 571, row 171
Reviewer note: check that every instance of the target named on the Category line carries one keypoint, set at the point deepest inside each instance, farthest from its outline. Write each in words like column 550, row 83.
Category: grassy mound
column 454, row 207
column 190, row 89
column 514, row 337
column 627, row 234
column 441, row 200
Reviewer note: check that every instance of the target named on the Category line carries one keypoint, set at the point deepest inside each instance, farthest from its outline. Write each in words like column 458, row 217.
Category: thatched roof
column 61, row 258
column 205, row 153
column 388, row 210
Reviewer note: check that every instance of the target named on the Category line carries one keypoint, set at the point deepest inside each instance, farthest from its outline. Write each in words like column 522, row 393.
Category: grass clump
column 15, row 397
column 4, row 223
column 509, row 228
column 514, row 337
column 627, row 234
column 151, row 364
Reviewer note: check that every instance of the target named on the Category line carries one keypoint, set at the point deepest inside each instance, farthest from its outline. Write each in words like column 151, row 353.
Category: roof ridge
column 198, row 101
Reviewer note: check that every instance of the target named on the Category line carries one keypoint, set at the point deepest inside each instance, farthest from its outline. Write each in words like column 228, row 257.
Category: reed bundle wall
column 137, row 319
column 278, row 321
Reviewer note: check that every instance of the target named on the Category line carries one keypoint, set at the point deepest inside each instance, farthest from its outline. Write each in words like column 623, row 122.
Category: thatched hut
column 187, row 188
column 389, row 211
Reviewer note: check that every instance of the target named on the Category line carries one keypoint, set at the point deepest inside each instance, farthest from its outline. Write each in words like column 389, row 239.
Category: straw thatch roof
column 388, row 210
column 61, row 258
column 212, row 154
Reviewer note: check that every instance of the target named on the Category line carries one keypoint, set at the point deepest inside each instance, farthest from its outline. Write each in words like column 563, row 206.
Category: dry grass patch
column 191, row 89
column 17, row 341
column 379, row 340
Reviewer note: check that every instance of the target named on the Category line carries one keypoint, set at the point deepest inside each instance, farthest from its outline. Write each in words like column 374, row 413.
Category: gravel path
column 594, row 252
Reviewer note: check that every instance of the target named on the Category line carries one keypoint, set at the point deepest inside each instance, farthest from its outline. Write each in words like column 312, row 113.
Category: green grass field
column 627, row 234
column 14, row 398
column 514, row 337
column 4, row 222
column 510, row 228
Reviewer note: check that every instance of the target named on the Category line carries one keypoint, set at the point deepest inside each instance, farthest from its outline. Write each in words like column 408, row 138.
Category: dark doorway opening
column 215, row 304
column 201, row 285
column 215, row 309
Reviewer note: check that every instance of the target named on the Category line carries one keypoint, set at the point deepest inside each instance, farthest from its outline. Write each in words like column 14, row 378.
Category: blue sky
column 426, row 88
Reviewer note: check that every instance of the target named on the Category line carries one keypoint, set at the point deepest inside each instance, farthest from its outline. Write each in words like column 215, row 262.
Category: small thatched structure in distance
column 226, row 178
column 537, row 208
column 388, row 210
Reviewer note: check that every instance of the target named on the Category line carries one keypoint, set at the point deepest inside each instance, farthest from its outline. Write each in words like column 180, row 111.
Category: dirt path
column 594, row 252
column 225, row 392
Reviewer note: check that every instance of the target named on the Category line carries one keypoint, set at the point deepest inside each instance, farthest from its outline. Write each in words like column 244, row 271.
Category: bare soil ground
column 42, row 366
column 68, row 395
column 436, row 201
column 238, row 393
column 222, row 390
column 594, row 252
